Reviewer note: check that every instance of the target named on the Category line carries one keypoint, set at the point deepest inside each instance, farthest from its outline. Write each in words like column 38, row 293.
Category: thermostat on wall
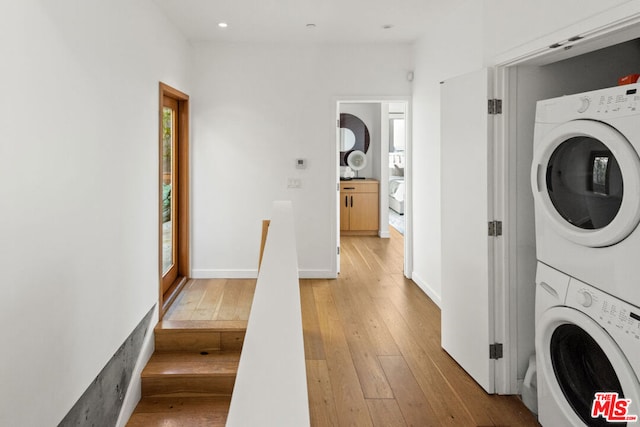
column 301, row 163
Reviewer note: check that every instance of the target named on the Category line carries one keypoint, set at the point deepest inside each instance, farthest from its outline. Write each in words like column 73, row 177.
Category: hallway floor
column 372, row 345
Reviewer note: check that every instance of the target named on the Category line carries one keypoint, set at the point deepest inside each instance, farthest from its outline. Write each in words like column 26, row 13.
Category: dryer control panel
column 602, row 104
column 614, row 315
column 619, row 103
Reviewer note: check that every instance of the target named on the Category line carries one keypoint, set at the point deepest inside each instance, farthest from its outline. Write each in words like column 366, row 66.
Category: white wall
column 79, row 194
column 511, row 23
column 452, row 46
column 256, row 108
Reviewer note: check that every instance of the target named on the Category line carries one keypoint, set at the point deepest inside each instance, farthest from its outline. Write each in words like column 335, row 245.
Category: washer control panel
column 613, row 314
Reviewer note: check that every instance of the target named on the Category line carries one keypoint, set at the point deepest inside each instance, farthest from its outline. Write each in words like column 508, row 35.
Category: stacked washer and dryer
column 586, row 185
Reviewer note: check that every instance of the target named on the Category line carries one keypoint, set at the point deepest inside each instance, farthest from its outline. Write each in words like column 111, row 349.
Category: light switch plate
column 294, row 183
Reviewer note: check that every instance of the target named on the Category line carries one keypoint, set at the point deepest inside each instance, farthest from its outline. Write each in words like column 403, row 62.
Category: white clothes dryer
column 587, row 342
column 586, row 184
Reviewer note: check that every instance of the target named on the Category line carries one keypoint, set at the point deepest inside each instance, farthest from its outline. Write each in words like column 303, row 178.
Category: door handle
column 346, row 201
column 540, row 178
column 351, row 201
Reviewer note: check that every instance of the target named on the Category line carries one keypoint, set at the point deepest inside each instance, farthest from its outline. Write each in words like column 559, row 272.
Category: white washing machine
column 586, row 185
column 586, row 342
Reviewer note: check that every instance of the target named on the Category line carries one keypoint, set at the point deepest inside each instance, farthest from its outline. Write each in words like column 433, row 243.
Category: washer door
column 586, row 178
column 577, row 359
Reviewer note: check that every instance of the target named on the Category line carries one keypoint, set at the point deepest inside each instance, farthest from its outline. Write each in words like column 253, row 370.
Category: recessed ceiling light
column 387, row 26
column 222, row 24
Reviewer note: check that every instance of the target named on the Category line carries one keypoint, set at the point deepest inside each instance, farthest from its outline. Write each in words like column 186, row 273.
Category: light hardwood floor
column 372, row 345
column 213, row 299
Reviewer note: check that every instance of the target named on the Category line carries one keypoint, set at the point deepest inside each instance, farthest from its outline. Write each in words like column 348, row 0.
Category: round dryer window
column 587, row 177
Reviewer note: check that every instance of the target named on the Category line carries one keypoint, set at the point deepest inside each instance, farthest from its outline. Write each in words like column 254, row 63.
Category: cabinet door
column 345, row 199
column 364, row 211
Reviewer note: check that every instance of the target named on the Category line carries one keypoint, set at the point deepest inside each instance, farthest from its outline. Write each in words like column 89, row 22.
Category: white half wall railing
column 271, row 385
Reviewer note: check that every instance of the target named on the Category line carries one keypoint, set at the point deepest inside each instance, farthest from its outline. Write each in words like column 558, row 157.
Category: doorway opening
column 174, row 194
column 387, row 167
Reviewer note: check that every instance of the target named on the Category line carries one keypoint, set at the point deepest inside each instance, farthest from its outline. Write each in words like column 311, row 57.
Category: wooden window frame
column 182, row 251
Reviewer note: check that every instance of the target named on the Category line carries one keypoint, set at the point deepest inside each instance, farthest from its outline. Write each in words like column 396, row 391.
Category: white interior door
column 467, row 205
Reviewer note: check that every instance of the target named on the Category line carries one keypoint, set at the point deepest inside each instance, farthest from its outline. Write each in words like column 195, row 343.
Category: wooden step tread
column 200, row 325
column 181, row 411
column 223, row 363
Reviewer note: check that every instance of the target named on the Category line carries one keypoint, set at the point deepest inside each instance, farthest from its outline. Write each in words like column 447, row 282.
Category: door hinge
column 338, row 250
column 337, row 122
column 495, row 351
column 495, row 228
column 495, row 106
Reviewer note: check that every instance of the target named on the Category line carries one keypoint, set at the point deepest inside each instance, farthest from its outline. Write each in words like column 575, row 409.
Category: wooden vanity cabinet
column 359, row 207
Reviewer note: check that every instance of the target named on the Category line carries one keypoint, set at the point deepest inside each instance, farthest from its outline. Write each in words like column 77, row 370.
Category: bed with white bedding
column 396, row 194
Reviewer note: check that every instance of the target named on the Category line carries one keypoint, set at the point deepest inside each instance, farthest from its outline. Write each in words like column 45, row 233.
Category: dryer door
column 579, row 359
column 586, row 177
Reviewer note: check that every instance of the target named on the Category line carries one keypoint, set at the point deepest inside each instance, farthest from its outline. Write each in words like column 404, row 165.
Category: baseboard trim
column 422, row 284
column 384, row 234
column 316, row 274
column 224, row 274
column 252, row 274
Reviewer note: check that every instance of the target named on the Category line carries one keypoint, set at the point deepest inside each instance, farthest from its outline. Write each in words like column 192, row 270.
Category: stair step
column 190, row 374
column 200, row 335
column 181, row 411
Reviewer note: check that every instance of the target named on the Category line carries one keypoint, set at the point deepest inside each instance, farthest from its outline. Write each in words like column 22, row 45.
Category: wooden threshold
column 172, row 294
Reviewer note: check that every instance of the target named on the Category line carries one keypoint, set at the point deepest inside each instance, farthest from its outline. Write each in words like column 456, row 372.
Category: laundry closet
column 598, row 69
column 570, row 67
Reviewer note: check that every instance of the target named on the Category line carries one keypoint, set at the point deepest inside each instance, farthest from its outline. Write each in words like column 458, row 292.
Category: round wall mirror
column 352, row 125
column 347, row 139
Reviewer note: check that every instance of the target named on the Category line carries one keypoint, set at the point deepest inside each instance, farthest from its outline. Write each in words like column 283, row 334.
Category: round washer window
column 582, row 369
column 585, row 183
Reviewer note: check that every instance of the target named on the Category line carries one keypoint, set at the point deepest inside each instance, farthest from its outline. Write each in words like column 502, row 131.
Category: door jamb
column 408, row 216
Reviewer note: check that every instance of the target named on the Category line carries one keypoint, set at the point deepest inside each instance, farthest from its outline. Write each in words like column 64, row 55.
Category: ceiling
column 279, row 21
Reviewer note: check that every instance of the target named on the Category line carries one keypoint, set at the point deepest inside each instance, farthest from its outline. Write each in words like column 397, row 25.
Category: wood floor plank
column 188, row 301
column 211, row 300
column 450, row 410
column 347, row 392
column 362, row 311
column 372, row 379
column 322, row 407
column 230, row 299
column 313, row 345
column 415, row 408
column 385, row 413
column 245, row 300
